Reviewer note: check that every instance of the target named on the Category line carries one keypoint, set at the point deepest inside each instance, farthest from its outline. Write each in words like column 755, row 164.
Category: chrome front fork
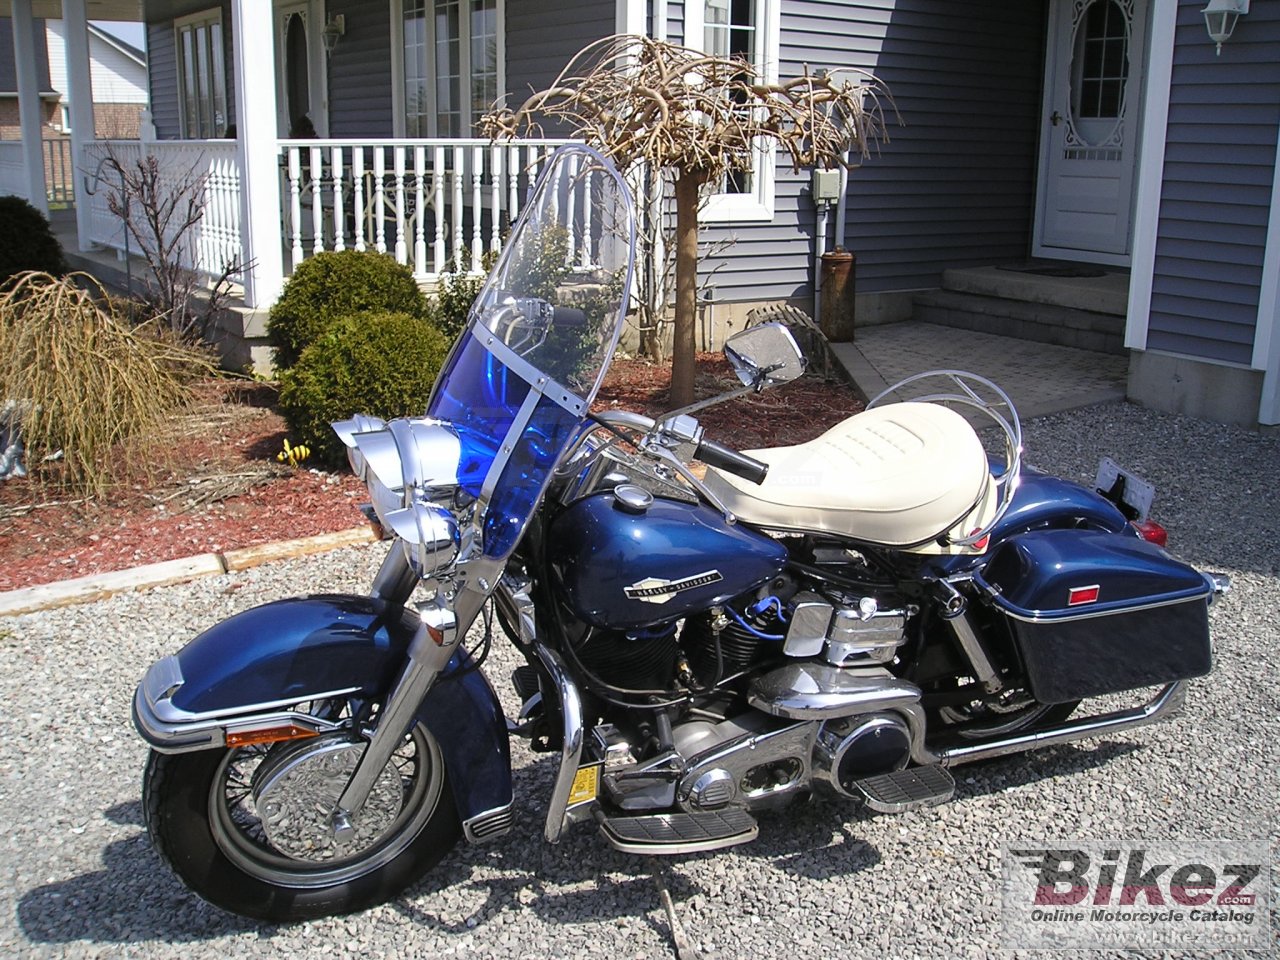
column 433, row 645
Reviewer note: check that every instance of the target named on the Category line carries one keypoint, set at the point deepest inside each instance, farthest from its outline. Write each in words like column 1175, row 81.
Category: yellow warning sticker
column 586, row 784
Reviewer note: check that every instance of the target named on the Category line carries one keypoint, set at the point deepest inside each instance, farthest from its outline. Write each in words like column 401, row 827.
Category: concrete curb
column 100, row 585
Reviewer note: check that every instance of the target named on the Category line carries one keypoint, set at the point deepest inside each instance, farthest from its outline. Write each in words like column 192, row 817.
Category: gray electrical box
column 825, row 186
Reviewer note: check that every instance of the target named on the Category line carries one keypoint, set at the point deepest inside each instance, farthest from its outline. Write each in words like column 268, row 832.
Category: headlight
column 347, row 430
column 403, row 463
column 430, row 535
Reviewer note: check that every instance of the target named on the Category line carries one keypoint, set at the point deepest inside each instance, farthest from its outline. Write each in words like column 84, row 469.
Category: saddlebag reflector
column 1094, row 613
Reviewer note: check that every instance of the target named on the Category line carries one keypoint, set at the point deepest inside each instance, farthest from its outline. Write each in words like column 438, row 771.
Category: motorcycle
column 707, row 633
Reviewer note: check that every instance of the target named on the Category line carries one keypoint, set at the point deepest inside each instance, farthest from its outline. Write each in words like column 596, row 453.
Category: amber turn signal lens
column 290, row 731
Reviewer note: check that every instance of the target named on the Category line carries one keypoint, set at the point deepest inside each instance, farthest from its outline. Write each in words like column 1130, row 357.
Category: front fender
column 257, row 664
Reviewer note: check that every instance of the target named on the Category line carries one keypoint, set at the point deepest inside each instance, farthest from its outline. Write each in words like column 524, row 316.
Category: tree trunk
column 683, row 347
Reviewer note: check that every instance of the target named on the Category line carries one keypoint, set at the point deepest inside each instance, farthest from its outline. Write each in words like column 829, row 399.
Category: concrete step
column 1037, row 283
column 1040, row 322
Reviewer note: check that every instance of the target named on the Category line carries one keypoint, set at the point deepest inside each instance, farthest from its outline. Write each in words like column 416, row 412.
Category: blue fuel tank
column 624, row 568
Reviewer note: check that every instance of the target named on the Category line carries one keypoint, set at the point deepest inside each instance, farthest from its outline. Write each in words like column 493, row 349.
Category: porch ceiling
column 130, row 10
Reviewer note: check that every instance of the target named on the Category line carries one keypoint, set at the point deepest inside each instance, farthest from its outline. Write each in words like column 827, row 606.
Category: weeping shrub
column 333, row 285
column 383, row 364
column 86, row 382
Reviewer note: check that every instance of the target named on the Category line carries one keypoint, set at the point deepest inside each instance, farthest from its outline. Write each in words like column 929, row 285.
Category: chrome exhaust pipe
column 1166, row 702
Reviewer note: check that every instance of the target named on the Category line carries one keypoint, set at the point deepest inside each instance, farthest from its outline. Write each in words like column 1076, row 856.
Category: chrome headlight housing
column 430, row 535
column 347, row 430
column 406, row 464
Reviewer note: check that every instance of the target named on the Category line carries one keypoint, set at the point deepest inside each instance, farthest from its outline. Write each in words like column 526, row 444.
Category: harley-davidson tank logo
column 653, row 590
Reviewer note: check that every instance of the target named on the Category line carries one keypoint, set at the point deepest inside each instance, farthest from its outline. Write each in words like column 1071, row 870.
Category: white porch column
column 31, row 118
column 252, row 39
column 83, row 130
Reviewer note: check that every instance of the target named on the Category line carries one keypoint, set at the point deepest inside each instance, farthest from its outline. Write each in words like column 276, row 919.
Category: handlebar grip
column 569, row 317
column 723, row 458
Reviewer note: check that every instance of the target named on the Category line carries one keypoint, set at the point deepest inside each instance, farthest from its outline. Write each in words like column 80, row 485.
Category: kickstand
column 683, row 949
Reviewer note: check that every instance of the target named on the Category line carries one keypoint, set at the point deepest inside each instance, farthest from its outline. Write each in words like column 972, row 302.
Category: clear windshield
column 539, row 339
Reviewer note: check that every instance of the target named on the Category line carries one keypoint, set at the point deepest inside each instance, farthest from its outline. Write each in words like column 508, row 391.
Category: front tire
column 247, row 829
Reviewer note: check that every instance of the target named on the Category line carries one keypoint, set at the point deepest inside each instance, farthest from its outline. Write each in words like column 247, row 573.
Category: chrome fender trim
column 170, row 729
column 490, row 825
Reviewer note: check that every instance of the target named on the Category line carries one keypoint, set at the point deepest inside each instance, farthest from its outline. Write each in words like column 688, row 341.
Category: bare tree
column 655, row 260
column 162, row 213
column 701, row 116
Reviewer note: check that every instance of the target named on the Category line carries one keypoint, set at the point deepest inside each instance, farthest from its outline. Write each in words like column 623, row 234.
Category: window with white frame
column 202, row 80
column 747, row 29
column 452, row 64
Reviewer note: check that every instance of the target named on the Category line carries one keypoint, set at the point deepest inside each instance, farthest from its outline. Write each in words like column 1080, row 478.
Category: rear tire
column 247, row 829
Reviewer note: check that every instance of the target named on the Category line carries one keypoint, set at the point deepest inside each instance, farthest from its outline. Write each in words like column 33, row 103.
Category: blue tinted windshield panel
column 480, row 397
column 549, row 432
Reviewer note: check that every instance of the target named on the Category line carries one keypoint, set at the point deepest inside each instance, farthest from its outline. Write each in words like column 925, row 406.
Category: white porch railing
column 432, row 204
column 215, row 240
column 59, row 171
column 13, row 169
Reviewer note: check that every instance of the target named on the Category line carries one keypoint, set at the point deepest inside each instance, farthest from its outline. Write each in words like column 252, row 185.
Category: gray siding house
column 1106, row 134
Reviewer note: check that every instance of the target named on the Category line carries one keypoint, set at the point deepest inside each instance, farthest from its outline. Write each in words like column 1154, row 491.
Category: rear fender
column 248, row 671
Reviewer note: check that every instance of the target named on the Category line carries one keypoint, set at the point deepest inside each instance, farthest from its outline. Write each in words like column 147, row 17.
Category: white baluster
column 495, row 197
column 437, row 208
column 295, row 205
column 513, row 183
column 420, row 212
column 570, row 213
column 339, row 218
column 455, row 255
column 585, row 262
column 358, row 209
column 402, row 248
column 477, row 246
column 379, row 200
column 317, row 199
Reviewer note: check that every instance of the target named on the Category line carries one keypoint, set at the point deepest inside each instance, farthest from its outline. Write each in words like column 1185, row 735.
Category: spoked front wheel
column 249, row 830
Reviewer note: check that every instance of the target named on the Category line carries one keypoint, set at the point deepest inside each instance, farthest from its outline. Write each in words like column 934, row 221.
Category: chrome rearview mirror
column 764, row 355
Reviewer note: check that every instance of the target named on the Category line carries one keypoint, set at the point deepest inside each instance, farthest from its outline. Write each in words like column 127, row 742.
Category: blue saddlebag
column 1094, row 613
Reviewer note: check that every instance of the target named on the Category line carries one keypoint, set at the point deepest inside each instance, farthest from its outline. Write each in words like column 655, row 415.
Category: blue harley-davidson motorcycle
column 853, row 615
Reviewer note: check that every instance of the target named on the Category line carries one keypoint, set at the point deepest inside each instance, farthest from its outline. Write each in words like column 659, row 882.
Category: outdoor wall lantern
column 337, row 26
column 1220, row 18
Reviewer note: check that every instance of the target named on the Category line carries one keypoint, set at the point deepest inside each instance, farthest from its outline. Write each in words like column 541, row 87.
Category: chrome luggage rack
column 1009, row 424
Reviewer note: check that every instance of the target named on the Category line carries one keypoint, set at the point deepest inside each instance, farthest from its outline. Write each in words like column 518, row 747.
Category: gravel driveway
column 823, row 880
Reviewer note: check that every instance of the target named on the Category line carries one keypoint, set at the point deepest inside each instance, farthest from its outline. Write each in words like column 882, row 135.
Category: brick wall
column 117, row 121
column 11, row 125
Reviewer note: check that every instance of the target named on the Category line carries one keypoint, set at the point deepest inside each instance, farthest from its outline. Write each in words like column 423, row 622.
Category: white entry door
column 1089, row 142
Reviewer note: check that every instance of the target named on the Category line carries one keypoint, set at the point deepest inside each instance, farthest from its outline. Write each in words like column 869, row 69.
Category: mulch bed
column 219, row 487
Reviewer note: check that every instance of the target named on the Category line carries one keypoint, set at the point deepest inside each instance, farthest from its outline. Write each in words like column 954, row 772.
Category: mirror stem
column 710, row 402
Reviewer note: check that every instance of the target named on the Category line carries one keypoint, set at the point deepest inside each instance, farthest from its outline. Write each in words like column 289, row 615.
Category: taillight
column 1152, row 532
